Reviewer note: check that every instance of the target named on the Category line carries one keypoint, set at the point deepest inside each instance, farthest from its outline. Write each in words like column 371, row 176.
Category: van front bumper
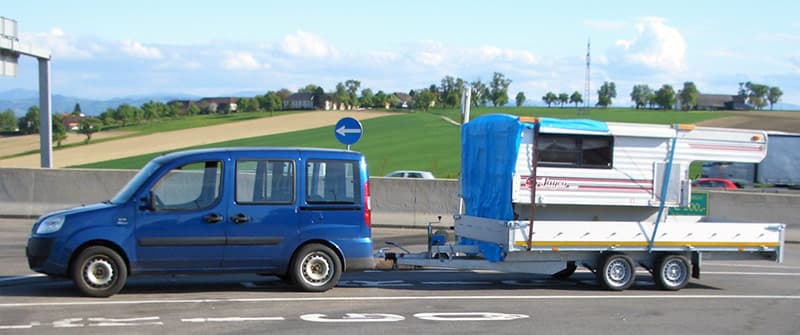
column 37, row 251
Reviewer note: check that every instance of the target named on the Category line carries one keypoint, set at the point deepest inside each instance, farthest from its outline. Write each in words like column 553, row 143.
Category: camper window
column 578, row 151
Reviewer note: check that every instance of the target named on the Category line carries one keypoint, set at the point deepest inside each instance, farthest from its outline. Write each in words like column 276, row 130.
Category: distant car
column 411, row 174
column 715, row 183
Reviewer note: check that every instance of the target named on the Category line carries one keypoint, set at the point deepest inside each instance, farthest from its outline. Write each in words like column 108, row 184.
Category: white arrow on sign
column 343, row 131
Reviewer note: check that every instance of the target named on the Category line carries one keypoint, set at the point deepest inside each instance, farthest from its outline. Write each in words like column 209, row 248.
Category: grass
column 420, row 140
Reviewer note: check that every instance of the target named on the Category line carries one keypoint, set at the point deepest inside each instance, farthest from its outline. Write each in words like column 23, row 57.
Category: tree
column 607, row 92
column 774, row 95
column 270, row 102
column 757, row 94
column 29, row 124
column 424, row 99
column 77, row 110
column 341, row 96
column 520, row 99
column 89, row 126
column 688, row 96
column 380, row 99
column 8, row 121
column 59, row 131
column 499, row 89
column 152, row 110
column 549, row 98
column 479, row 93
column 563, row 98
column 640, row 94
column 665, row 97
column 248, row 105
column 451, row 91
column 367, row 98
column 284, row 93
column 310, row 88
column 576, row 98
column 352, row 89
column 193, row 110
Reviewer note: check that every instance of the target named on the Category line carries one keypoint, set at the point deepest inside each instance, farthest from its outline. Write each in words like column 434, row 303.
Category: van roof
column 186, row 153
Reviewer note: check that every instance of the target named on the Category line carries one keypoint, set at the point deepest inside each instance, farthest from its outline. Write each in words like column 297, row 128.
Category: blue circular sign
column 348, row 130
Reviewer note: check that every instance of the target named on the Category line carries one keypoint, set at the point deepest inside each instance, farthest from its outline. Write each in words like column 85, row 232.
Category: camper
column 547, row 196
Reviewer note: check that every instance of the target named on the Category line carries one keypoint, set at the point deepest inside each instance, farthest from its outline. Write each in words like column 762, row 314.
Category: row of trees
column 757, row 95
column 562, row 98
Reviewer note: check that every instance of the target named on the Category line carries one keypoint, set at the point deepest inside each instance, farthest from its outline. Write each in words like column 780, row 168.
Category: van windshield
column 134, row 184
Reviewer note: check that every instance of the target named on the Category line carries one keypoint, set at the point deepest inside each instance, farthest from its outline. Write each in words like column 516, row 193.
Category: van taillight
column 367, row 206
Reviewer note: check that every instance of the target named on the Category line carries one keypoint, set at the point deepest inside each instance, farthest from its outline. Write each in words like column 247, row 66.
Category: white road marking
column 372, row 283
column 765, row 274
column 353, row 317
column 234, row 319
column 476, row 316
column 28, row 326
column 108, row 322
column 786, row 267
column 406, row 298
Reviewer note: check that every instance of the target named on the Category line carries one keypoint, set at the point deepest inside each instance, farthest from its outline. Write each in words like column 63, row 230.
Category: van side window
column 333, row 182
column 577, row 151
column 189, row 187
column 264, row 181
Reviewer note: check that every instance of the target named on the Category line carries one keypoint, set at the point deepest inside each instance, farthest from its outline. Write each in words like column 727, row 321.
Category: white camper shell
column 601, row 201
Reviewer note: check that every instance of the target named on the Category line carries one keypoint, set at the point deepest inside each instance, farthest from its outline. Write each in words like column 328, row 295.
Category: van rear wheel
column 316, row 268
column 99, row 272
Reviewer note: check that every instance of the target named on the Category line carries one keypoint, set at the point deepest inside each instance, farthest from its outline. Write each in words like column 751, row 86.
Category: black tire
column 672, row 272
column 315, row 268
column 617, row 272
column 99, row 272
column 567, row 272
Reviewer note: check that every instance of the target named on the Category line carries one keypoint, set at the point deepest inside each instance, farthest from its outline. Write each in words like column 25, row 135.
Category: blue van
column 300, row 214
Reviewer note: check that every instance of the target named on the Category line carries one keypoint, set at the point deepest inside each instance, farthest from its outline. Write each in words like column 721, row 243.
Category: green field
column 420, row 140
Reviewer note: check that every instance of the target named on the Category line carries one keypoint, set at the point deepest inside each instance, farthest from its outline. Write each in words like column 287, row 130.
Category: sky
column 110, row 49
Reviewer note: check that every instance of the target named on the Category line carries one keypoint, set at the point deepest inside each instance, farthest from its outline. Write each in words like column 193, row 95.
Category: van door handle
column 240, row 218
column 212, row 218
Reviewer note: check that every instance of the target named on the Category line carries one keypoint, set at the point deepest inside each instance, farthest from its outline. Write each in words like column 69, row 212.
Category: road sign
column 698, row 206
column 348, row 131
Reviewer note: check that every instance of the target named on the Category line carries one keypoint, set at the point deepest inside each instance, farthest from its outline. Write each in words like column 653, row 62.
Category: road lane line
column 233, row 319
column 766, row 274
column 405, row 298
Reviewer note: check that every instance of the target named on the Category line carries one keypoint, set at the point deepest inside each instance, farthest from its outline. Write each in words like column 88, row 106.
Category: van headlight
column 50, row 225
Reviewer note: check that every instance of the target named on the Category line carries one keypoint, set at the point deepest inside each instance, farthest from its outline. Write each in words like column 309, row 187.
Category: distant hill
column 20, row 100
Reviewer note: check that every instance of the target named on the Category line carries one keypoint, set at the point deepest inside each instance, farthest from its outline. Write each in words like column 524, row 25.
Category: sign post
column 348, row 131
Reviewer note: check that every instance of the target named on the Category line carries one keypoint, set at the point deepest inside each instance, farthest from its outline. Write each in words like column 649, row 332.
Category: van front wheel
column 316, row 268
column 99, row 272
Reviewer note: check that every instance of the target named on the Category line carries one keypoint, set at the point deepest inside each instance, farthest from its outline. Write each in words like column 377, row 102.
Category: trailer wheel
column 672, row 272
column 568, row 271
column 617, row 272
column 315, row 268
column 99, row 272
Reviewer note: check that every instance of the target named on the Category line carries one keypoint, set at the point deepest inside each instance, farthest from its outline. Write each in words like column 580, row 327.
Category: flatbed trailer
column 609, row 215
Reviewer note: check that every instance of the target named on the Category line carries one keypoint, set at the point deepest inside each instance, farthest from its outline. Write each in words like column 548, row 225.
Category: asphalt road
column 730, row 298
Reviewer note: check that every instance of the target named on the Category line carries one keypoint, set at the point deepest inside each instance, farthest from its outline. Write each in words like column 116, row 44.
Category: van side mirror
column 148, row 202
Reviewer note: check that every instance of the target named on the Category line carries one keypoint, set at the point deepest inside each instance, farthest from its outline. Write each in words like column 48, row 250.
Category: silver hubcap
column 674, row 272
column 98, row 272
column 618, row 272
column 317, row 269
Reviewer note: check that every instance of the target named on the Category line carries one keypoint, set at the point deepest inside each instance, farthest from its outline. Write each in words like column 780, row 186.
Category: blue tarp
column 489, row 148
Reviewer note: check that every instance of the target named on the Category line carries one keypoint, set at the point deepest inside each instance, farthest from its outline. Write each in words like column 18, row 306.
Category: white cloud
column 241, row 61
column 60, row 45
column 136, row 49
column 432, row 53
column 656, row 47
column 492, row 53
column 794, row 62
column 303, row 44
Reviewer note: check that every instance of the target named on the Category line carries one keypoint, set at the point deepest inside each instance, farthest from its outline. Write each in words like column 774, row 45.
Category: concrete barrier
column 395, row 201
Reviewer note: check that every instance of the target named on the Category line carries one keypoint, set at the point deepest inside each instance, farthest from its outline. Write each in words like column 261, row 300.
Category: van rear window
column 333, row 182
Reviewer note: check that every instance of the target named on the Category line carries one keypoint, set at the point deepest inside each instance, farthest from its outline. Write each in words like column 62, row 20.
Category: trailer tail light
column 367, row 206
